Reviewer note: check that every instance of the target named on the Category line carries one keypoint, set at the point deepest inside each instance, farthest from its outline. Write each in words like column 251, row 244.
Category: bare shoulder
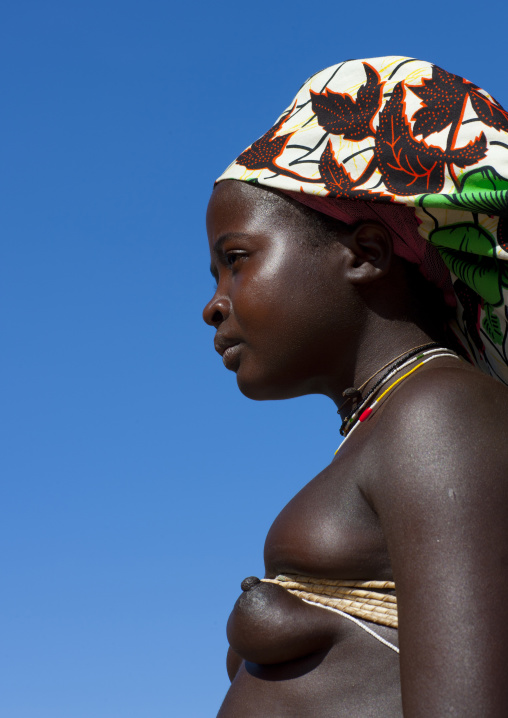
column 456, row 395
column 440, row 452
column 446, row 421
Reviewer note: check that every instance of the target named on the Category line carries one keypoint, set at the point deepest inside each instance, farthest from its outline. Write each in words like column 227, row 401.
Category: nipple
column 249, row 583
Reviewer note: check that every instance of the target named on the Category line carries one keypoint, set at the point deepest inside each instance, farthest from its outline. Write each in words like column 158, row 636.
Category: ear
column 370, row 253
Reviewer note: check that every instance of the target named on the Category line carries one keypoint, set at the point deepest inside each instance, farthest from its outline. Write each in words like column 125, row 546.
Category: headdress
column 420, row 149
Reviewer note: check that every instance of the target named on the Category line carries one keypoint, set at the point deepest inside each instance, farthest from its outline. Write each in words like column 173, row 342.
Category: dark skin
column 418, row 494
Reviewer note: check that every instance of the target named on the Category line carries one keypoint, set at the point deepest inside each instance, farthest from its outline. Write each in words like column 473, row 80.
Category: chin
column 266, row 391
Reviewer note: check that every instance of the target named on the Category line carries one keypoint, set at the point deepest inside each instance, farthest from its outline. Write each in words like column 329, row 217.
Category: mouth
column 229, row 349
column 231, row 357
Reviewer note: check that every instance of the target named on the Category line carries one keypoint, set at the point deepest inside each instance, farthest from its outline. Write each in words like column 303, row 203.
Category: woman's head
column 298, row 293
column 423, row 151
column 268, row 307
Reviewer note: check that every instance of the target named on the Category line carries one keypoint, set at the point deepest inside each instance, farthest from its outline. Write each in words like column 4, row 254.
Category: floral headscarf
column 424, row 151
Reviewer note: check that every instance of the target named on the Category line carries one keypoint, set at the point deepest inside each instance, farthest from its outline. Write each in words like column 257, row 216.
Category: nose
column 217, row 310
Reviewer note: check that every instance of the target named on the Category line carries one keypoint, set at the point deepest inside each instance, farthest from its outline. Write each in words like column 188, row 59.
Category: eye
column 234, row 256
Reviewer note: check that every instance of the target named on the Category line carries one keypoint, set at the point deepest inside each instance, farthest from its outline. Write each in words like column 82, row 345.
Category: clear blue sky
column 137, row 483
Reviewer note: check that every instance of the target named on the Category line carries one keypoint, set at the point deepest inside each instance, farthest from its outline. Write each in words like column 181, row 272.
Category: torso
column 304, row 660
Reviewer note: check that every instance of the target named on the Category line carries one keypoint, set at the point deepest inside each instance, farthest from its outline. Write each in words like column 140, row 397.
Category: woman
column 359, row 250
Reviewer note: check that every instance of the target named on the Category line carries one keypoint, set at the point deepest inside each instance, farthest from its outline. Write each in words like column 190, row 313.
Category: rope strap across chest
column 363, row 599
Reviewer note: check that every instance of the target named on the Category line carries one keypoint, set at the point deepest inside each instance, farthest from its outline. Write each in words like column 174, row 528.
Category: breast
column 328, row 530
column 268, row 625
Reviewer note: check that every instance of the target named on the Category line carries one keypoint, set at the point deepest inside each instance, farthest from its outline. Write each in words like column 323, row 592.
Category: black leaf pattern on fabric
column 263, row 152
column 337, row 180
column 468, row 155
column 409, row 166
column 443, row 98
column 339, row 114
column 490, row 112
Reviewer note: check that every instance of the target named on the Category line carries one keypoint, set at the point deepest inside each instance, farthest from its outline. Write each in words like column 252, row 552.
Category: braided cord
column 355, row 598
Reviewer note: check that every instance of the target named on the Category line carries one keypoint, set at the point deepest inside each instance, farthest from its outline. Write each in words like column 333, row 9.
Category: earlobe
column 371, row 251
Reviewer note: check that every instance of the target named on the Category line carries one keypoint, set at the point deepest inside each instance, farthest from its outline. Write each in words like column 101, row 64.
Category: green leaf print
column 468, row 252
column 482, row 190
column 492, row 325
column 464, row 237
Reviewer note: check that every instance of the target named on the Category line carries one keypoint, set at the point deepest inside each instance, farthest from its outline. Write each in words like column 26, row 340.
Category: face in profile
column 281, row 311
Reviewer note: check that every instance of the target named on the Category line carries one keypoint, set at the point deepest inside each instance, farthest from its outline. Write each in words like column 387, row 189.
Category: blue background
column 137, row 482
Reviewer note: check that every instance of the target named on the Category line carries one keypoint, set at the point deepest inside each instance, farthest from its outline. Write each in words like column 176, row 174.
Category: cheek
column 261, row 293
column 274, row 273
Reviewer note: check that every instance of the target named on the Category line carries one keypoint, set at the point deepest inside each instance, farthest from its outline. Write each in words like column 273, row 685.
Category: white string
column 358, row 623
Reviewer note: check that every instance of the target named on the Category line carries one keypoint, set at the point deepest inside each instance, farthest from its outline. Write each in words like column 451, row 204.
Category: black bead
column 351, row 391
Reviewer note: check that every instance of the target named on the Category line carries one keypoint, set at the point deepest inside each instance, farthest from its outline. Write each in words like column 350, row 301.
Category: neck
column 374, row 350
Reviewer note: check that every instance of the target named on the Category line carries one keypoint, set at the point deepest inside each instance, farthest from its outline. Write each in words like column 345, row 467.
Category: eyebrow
column 217, row 247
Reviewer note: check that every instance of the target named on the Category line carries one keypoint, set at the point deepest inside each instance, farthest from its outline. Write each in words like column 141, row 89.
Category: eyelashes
column 232, row 257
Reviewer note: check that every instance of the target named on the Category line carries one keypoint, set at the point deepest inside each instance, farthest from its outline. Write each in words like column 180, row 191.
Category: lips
column 229, row 349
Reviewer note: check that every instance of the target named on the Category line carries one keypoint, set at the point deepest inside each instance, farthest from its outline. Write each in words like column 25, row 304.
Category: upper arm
column 442, row 497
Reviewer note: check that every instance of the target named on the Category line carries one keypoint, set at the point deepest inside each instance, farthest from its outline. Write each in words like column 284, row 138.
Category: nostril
column 216, row 311
column 217, row 317
column 211, row 315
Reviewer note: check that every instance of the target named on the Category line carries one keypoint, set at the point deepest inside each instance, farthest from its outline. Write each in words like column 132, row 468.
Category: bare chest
column 329, row 530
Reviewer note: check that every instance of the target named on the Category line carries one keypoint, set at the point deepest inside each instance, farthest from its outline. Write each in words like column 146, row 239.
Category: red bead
column 365, row 414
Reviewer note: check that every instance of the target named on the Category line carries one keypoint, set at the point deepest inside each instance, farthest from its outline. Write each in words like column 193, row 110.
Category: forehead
column 241, row 207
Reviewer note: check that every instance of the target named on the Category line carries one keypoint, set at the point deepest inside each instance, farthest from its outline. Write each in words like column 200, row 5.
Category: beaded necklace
column 364, row 415
column 400, row 361
column 402, row 357
column 352, row 393
column 362, row 412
